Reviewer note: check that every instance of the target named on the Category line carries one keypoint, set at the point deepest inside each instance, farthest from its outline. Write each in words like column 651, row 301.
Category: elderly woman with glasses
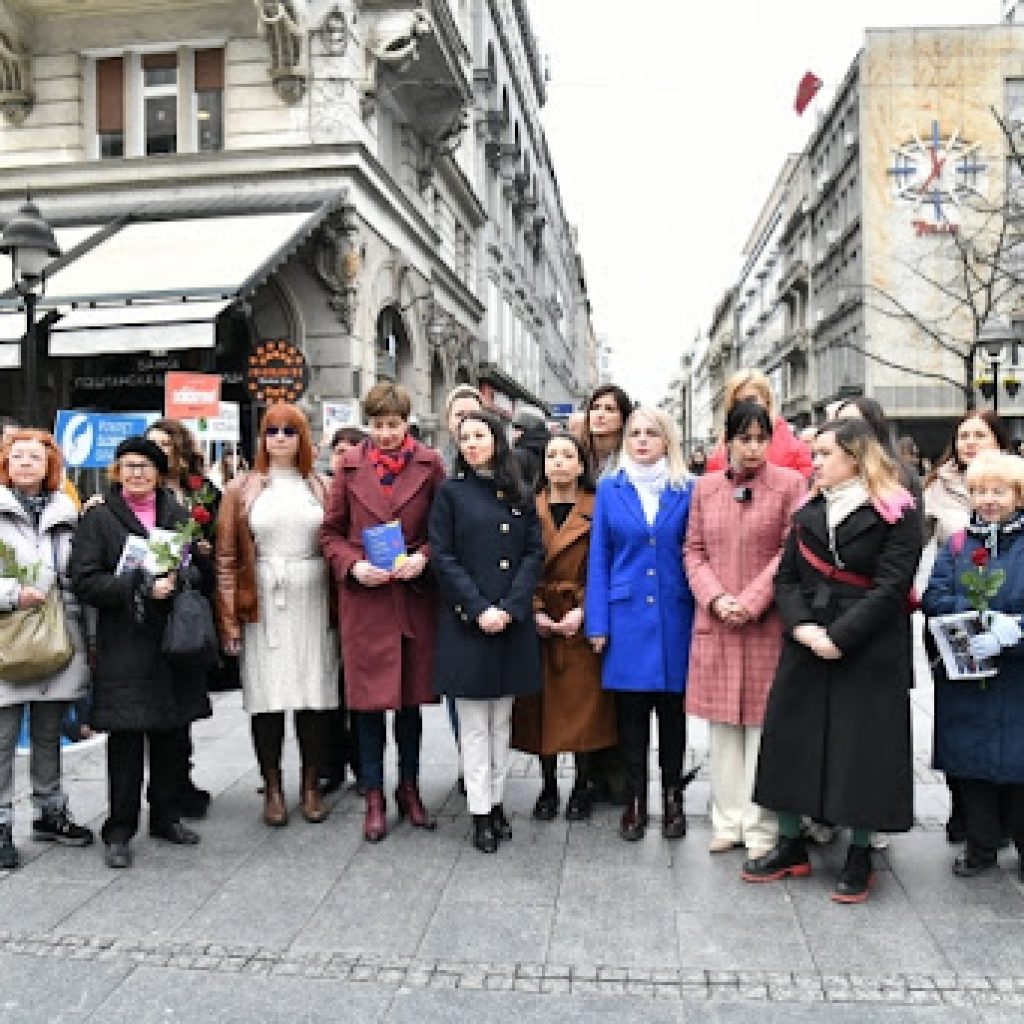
column 273, row 606
column 138, row 695
column 738, row 524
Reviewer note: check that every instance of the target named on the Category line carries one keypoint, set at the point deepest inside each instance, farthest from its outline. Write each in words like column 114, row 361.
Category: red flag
column 806, row 91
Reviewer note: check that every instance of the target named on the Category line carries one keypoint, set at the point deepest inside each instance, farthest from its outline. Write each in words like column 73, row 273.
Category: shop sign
column 339, row 413
column 277, row 372
column 191, row 395
column 562, row 410
column 88, row 440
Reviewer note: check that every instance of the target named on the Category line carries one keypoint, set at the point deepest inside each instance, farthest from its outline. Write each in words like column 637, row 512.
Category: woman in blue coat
column 978, row 734
column 639, row 608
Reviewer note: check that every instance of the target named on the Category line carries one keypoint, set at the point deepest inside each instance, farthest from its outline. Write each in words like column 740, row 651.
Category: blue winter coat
column 979, row 731
column 637, row 594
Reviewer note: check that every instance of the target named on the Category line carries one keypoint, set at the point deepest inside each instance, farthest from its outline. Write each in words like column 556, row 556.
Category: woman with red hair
column 273, row 605
column 36, row 525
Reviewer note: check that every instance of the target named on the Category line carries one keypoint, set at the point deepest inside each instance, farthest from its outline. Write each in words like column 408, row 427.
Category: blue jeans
column 372, row 737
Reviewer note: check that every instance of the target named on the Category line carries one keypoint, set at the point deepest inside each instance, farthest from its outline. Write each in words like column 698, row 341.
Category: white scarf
column 649, row 482
column 841, row 502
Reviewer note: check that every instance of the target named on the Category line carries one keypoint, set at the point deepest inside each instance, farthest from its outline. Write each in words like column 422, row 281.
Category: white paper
column 952, row 634
column 137, row 551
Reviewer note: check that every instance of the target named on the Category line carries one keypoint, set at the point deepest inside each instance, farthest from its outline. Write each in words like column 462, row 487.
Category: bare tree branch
column 959, row 385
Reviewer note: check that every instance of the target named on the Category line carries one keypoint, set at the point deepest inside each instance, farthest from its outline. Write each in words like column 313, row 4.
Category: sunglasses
column 287, row 431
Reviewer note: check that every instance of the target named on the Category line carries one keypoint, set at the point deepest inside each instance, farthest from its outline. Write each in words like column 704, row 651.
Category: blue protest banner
column 88, row 440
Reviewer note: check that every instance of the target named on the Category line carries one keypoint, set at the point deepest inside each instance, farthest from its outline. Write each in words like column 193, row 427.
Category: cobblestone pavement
column 565, row 922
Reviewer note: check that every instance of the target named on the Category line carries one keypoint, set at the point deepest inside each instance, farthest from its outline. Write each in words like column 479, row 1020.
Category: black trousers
column 125, row 762
column 312, row 730
column 990, row 809
column 634, row 737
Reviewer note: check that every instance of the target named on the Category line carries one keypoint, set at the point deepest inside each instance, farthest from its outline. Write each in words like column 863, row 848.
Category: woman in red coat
column 784, row 449
column 388, row 615
column 738, row 523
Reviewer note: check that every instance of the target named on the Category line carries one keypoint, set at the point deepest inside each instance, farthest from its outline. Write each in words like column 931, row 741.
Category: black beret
column 147, row 449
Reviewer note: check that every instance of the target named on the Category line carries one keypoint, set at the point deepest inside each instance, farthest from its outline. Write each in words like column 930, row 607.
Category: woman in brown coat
column 572, row 713
column 739, row 520
column 388, row 616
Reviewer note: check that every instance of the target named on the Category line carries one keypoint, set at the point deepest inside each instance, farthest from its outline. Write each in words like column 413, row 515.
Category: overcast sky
column 668, row 122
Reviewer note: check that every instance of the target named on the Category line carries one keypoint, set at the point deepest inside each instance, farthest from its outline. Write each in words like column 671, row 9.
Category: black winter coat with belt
column 134, row 686
column 836, row 742
column 485, row 551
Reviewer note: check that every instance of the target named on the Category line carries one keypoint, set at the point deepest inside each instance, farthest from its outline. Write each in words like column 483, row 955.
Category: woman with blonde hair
column 273, row 605
column 785, row 448
column 639, row 608
column 978, row 738
column 836, row 742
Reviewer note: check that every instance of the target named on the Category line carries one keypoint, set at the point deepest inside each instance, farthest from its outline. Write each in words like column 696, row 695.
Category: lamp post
column 993, row 337
column 29, row 242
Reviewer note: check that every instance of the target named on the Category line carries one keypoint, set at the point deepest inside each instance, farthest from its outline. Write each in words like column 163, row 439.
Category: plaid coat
column 733, row 548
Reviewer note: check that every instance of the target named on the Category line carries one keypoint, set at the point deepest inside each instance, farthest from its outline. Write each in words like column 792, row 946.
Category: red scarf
column 387, row 465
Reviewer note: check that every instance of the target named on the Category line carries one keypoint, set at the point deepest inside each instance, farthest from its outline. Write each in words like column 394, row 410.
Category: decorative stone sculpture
column 16, row 94
column 285, row 33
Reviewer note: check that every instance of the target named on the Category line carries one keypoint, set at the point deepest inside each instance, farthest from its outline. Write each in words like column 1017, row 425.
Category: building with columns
column 364, row 180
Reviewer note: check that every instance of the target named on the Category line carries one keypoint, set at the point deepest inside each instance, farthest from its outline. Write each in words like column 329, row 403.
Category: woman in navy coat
column 487, row 553
column 978, row 734
column 639, row 608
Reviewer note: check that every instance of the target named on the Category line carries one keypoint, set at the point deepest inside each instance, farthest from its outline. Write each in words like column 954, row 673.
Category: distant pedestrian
column 487, row 552
column 273, row 606
column 698, row 462
column 785, row 449
column 388, row 613
column 607, row 411
column 738, row 524
column 576, row 425
column 37, row 523
column 462, row 400
column 836, row 741
column 529, row 438
column 572, row 714
column 140, row 697
column 978, row 735
column 639, row 609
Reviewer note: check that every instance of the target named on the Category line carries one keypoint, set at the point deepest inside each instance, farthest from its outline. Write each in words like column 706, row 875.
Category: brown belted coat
column 572, row 713
column 237, row 600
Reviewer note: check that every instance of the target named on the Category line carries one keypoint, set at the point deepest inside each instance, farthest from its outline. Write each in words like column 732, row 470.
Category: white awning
column 158, row 327
column 10, row 356
column 12, row 326
column 67, row 239
column 189, row 257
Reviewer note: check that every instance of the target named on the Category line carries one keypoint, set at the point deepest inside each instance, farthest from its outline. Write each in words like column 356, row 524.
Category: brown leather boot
column 375, row 825
column 410, row 806
column 634, row 820
column 673, row 821
column 275, row 811
column 313, row 809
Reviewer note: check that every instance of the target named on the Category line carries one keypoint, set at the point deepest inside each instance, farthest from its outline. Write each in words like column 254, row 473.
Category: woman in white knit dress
column 273, row 603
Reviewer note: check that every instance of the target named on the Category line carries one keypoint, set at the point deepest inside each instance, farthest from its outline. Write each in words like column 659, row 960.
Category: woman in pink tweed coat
column 739, row 519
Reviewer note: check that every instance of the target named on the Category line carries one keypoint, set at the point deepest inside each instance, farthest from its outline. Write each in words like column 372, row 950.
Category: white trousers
column 484, row 730
column 734, row 815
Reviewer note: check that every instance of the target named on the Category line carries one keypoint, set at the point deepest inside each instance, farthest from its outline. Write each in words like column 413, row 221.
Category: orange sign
column 277, row 372
column 191, row 395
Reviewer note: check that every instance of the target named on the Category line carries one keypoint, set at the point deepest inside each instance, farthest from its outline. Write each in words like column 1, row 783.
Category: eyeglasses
column 137, row 467
column 287, row 431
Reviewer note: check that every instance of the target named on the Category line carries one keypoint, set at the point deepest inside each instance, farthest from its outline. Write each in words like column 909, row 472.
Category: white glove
column 1006, row 628
column 984, row 645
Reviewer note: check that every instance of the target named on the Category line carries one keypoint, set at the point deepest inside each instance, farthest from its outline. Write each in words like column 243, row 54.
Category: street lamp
column 995, row 334
column 29, row 242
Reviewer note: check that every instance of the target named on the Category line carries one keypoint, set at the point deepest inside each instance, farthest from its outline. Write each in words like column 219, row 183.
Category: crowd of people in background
column 555, row 586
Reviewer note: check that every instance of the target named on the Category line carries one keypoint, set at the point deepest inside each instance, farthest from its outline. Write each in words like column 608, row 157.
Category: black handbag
column 190, row 637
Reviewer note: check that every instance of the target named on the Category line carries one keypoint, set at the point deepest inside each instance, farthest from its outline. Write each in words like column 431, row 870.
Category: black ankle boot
column 856, row 877
column 579, row 806
column 786, row 859
column 973, row 861
column 484, row 838
column 499, row 823
column 546, row 807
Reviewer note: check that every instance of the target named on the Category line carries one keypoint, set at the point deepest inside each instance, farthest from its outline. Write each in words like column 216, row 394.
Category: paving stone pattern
column 565, row 922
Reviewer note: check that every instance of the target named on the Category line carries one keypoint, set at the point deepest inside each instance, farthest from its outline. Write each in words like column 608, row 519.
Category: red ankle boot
column 375, row 826
column 410, row 806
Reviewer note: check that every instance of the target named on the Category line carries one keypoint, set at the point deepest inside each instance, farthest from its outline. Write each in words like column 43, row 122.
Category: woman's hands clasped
column 493, row 620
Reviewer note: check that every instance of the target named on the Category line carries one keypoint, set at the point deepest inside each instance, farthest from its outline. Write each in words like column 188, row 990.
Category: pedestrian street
column 567, row 922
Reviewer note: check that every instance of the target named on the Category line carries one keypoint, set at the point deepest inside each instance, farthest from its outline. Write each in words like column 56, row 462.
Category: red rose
column 195, row 482
column 201, row 515
column 979, row 557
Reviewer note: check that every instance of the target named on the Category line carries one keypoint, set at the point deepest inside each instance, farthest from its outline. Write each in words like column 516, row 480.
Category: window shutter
column 110, row 94
column 209, row 69
column 156, row 61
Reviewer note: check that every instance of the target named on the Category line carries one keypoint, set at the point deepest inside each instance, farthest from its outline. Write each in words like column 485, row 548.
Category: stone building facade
column 336, row 156
column 860, row 239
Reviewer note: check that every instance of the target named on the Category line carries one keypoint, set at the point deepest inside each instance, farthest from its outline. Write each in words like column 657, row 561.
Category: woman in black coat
column 836, row 744
column 138, row 694
column 486, row 552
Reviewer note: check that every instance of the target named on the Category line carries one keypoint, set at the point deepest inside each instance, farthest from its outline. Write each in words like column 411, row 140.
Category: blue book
column 385, row 545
